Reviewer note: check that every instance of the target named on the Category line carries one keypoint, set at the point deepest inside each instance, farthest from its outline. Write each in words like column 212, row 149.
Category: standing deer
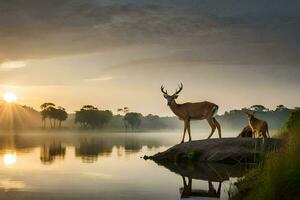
column 258, row 126
column 193, row 111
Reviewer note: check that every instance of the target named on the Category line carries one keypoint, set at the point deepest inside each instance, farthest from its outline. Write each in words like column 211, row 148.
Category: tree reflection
column 50, row 152
column 90, row 149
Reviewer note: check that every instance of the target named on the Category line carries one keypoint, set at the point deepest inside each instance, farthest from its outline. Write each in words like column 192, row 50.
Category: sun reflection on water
column 9, row 159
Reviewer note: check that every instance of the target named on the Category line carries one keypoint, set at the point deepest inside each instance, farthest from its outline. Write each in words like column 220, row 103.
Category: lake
column 81, row 165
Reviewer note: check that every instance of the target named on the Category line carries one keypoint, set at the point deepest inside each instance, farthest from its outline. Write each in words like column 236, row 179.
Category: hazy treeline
column 15, row 116
column 234, row 119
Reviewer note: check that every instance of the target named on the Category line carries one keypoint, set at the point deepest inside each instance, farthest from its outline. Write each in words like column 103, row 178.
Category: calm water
column 68, row 165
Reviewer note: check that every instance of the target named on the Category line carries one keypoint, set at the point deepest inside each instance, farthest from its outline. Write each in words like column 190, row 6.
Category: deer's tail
column 215, row 110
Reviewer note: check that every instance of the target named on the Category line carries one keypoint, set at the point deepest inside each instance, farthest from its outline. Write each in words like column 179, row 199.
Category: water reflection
column 9, row 158
column 53, row 166
column 187, row 190
column 51, row 152
column 213, row 174
column 88, row 147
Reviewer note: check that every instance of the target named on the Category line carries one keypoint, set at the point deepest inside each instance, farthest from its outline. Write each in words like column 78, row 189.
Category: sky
column 113, row 53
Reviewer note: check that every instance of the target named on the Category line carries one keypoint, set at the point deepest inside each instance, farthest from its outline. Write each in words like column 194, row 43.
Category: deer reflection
column 214, row 174
column 187, row 190
column 50, row 152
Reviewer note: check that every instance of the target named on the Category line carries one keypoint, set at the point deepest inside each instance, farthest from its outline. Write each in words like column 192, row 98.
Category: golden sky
column 117, row 53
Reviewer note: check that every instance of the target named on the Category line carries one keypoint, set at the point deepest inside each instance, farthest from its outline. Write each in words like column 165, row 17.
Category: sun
column 10, row 97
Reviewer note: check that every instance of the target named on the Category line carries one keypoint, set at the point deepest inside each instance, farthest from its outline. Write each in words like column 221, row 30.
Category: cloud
column 252, row 32
column 9, row 65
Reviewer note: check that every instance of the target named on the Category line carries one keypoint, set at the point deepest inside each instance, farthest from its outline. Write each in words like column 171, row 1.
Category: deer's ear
column 175, row 96
column 166, row 96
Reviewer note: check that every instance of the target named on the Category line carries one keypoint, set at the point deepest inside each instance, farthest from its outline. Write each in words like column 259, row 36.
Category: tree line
column 90, row 117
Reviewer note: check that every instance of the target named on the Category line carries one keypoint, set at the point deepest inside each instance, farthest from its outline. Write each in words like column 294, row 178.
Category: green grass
column 278, row 176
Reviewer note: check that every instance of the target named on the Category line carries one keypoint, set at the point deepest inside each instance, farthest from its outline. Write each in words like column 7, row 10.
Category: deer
column 257, row 125
column 246, row 132
column 192, row 111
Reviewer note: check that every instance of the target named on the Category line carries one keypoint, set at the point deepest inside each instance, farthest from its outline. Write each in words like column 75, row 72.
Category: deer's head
column 171, row 98
column 249, row 114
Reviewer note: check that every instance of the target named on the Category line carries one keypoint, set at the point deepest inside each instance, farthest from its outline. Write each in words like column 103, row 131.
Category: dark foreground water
column 74, row 165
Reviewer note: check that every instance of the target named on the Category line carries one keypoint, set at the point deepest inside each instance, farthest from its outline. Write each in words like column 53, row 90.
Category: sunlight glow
column 9, row 159
column 10, row 97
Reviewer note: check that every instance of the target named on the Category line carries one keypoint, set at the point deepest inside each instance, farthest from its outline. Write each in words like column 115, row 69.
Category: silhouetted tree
column 133, row 119
column 53, row 114
column 47, row 112
column 61, row 115
column 280, row 108
column 259, row 108
column 124, row 110
column 90, row 116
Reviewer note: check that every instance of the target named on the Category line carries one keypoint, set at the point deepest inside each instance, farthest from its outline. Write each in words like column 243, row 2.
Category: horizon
column 116, row 112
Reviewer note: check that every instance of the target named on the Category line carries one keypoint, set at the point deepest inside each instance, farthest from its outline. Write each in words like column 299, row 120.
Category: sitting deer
column 246, row 132
column 193, row 111
column 258, row 126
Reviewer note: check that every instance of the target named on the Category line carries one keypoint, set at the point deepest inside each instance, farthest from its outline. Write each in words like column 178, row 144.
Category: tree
column 152, row 122
column 259, row 108
column 133, row 119
column 53, row 114
column 124, row 110
column 90, row 117
column 280, row 108
column 47, row 112
column 61, row 115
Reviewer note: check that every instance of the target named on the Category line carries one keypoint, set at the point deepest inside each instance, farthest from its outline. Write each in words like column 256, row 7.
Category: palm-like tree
column 53, row 114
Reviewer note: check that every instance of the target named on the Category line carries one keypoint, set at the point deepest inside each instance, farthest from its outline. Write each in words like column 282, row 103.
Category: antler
column 180, row 88
column 163, row 90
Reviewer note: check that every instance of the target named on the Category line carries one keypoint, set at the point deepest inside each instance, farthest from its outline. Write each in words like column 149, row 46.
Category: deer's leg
column 212, row 125
column 184, row 131
column 219, row 189
column 218, row 127
column 253, row 134
column 189, row 130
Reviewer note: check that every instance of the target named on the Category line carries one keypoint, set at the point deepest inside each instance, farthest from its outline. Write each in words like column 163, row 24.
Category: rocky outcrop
column 225, row 150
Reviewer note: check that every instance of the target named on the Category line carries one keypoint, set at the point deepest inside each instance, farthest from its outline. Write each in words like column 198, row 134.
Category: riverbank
column 225, row 150
column 278, row 176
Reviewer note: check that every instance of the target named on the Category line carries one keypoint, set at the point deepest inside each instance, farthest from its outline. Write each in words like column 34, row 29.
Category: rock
column 225, row 150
